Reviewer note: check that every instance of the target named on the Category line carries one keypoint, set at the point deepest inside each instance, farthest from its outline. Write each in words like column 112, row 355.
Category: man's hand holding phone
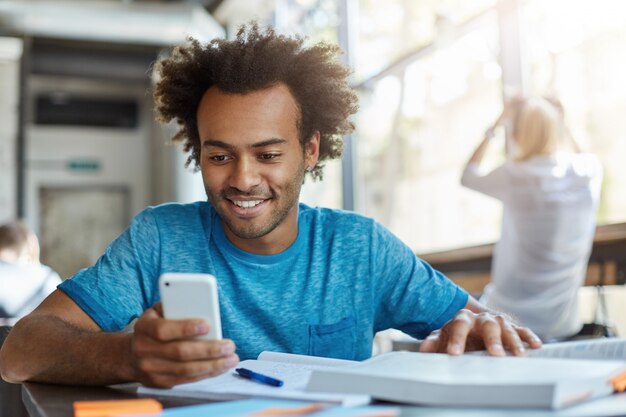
column 168, row 352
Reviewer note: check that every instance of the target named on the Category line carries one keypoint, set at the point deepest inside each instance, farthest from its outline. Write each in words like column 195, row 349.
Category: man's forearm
column 44, row 348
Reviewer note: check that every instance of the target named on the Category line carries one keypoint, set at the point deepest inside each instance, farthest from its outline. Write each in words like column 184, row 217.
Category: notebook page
column 231, row 386
column 303, row 359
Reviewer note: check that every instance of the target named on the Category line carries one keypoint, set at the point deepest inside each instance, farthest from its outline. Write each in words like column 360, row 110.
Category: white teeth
column 247, row 204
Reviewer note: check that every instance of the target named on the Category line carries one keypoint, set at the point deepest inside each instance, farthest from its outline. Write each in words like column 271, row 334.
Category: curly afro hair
column 255, row 60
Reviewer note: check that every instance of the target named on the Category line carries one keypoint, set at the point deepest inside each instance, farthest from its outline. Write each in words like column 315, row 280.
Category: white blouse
column 548, row 225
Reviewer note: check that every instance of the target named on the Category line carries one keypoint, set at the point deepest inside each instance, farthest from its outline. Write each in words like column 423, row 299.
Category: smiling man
column 253, row 165
column 257, row 114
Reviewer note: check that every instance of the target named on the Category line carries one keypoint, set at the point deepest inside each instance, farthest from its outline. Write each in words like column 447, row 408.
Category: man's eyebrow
column 228, row 146
column 272, row 141
column 218, row 144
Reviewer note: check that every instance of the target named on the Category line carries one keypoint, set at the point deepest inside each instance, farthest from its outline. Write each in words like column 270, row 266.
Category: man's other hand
column 469, row 331
column 165, row 352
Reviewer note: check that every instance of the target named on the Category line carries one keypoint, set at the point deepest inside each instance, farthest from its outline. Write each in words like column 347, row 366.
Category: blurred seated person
column 550, row 192
column 24, row 281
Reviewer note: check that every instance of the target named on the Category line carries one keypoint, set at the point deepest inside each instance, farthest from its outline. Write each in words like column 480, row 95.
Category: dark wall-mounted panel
column 66, row 110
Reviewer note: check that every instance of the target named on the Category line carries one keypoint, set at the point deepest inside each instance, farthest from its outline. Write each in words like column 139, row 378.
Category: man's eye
column 268, row 156
column 219, row 158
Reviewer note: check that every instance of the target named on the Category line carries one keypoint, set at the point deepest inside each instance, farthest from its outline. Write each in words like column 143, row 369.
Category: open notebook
column 294, row 370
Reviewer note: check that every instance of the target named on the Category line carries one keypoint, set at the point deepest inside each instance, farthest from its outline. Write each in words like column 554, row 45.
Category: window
column 416, row 129
column 319, row 20
column 581, row 57
column 390, row 29
column 430, row 76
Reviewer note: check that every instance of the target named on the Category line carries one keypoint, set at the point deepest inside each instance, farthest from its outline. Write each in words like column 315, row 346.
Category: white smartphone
column 192, row 296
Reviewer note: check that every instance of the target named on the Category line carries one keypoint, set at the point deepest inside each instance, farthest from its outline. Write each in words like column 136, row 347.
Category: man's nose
column 245, row 175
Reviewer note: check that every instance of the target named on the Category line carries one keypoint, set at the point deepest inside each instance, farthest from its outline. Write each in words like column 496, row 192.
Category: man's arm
column 477, row 328
column 60, row 343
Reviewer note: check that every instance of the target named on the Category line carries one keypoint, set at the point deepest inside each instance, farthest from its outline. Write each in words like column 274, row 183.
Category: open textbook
column 294, row 370
column 568, row 373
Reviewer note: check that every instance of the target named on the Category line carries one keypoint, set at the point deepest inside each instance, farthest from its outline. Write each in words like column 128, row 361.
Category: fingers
column 458, row 329
column 158, row 307
column 162, row 373
column 452, row 337
column 470, row 331
column 165, row 364
column 498, row 333
column 188, row 350
column 431, row 343
column 187, row 370
column 151, row 324
column 529, row 337
column 165, row 352
column 516, row 338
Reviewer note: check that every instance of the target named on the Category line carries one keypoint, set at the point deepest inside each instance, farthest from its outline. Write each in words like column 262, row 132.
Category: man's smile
column 246, row 204
column 247, row 208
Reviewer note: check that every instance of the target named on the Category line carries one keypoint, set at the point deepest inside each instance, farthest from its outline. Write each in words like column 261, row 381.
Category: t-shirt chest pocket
column 336, row 340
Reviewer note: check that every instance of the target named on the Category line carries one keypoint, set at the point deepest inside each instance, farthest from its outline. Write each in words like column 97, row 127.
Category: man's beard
column 250, row 228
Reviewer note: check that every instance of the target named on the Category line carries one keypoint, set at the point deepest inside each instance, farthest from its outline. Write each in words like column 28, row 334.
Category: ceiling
column 157, row 23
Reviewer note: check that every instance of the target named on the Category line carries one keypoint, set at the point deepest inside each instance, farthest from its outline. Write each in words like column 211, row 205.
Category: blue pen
column 255, row 376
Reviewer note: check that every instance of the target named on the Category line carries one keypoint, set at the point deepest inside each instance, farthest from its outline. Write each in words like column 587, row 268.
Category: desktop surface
column 49, row 400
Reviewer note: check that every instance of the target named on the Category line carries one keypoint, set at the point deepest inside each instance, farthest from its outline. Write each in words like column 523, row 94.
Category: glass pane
column 415, row 132
column 388, row 29
column 581, row 57
column 325, row 193
column 318, row 20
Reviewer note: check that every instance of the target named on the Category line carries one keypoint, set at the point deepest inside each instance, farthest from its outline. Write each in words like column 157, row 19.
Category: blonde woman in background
column 550, row 192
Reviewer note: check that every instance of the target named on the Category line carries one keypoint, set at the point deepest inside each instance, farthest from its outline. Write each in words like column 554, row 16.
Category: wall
column 10, row 53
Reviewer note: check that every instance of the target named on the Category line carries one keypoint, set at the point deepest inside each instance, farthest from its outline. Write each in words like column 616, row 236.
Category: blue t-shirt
column 343, row 279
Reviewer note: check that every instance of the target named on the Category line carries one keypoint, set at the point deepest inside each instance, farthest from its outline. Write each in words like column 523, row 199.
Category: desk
column 46, row 400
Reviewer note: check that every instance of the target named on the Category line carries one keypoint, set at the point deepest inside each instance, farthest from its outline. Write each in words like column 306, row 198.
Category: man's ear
column 312, row 150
